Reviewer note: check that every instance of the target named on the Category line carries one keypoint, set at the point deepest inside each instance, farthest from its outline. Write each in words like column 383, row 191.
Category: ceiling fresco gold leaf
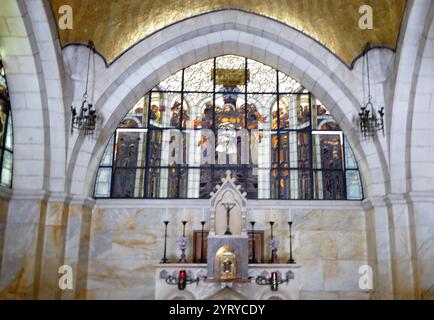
column 115, row 26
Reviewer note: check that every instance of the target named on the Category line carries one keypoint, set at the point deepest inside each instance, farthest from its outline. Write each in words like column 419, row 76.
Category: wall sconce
column 181, row 281
column 274, row 281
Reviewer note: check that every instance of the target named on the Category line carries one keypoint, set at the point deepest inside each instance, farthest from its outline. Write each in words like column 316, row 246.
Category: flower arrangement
column 274, row 244
column 183, row 243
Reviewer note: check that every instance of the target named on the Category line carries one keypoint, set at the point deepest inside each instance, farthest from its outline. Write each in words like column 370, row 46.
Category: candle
column 203, row 215
column 289, row 215
column 184, row 216
column 166, row 215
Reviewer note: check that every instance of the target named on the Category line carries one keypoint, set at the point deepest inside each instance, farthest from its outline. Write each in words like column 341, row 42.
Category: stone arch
column 32, row 58
column 403, row 95
column 420, row 157
column 251, row 36
column 420, row 162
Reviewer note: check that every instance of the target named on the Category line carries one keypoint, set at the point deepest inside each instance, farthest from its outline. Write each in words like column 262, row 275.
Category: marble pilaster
column 22, row 251
column 379, row 242
column 53, row 247
column 77, row 244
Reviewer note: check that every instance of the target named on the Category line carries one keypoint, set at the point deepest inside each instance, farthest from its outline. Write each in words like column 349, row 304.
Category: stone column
column 78, row 227
column 403, row 249
column 5, row 195
column 422, row 212
column 22, row 250
column 53, row 247
column 378, row 225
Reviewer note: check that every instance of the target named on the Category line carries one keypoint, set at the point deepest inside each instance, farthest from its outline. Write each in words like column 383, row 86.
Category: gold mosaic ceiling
column 115, row 26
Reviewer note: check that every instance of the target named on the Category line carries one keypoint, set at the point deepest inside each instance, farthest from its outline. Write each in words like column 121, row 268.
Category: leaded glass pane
column 328, row 151
column 6, row 175
column 107, row 159
column 354, row 186
column 130, row 149
column 262, row 77
column 199, row 77
column 200, row 105
column 103, row 183
column 9, row 132
column 231, row 65
column 3, row 121
column 350, row 159
column 128, row 183
column 258, row 110
column 6, row 143
column 301, row 185
column 288, row 85
column 173, row 83
column 230, row 110
column 329, row 185
column 322, row 118
column 137, row 117
column 294, row 112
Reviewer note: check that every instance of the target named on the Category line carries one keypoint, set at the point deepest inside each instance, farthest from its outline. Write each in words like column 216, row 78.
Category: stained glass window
column 6, row 144
column 229, row 113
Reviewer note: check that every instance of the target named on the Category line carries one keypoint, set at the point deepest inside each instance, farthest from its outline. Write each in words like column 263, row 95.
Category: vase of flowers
column 183, row 245
column 274, row 246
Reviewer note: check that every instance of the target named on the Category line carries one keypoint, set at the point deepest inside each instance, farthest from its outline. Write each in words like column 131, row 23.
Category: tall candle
column 166, row 215
column 184, row 216
column 290, row 215
column 203, row 215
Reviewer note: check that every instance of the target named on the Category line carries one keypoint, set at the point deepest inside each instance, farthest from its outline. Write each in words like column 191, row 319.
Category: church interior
column 216, row 150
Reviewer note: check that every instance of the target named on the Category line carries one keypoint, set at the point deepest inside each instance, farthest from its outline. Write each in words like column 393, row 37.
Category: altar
column 248, row 289
column 229, row 273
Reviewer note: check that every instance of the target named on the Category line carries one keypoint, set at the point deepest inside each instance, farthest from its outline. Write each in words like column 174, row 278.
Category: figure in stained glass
column 295, row 155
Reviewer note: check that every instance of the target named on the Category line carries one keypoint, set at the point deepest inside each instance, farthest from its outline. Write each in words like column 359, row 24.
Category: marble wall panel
column 21, row 253
column 126, row 242
column 53, row 251
column 4, row 203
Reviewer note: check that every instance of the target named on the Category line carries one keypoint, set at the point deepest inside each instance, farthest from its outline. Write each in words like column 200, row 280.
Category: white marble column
column 378, row 226
column 5, row 195
column 21, row 251
column 77, row 245
column 53, row 247
column 421, row 209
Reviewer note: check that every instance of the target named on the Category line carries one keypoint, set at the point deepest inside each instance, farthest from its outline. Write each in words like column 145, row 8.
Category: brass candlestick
column 290, row 260
column 165, row 260
column 273, row 250
column 183, row 258
column 253, row 260
column 202, row 259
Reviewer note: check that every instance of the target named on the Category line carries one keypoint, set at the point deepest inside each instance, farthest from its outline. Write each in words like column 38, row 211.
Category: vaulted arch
column 170, row 50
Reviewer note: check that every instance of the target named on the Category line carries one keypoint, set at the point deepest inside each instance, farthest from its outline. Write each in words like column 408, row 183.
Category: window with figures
column 229, row 113
column 6, row 144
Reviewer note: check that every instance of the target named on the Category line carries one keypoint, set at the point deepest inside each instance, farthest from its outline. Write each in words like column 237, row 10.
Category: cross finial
column 228, row 175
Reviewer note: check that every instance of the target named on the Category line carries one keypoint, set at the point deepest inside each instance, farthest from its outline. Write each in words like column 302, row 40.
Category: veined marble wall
column 4, row 203
column 330, row 245
column 38, row 236
column 112, row 246
column 424, row 243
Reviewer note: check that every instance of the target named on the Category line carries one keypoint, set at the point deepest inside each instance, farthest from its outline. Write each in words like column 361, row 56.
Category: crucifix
column 228, row 207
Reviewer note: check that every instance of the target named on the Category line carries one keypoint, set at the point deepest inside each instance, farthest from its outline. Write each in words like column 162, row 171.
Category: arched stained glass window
column 6, row 145
column 279, row 141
